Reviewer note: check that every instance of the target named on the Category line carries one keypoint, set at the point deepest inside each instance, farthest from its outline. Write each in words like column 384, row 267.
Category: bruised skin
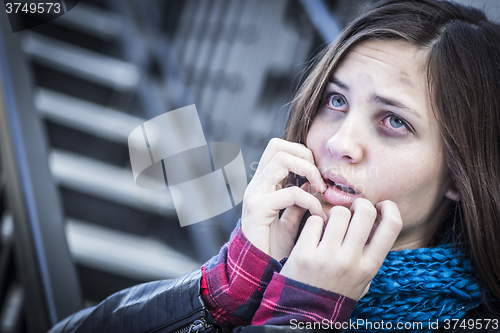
column 358, row 143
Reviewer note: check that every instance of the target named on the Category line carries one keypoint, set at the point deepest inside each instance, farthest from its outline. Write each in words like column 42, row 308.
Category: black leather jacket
column 174, row 306
column 159, row 306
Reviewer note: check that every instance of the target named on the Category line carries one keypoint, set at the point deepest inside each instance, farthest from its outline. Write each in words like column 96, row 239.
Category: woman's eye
column 395, row 124
column 336, row 102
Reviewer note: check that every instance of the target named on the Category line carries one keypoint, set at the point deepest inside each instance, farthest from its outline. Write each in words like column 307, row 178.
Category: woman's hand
column 264, row 197
column 347, row 255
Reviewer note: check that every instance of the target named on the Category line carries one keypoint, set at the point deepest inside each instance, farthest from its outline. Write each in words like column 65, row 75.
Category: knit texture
column 419, row 286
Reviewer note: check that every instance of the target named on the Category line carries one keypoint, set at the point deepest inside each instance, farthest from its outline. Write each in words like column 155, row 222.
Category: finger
column 294, row 214
column 291, row 196
column 336, row 228
column 281, row 164
column 310, row 235
column 363, row 217
column 386, row 233
column 275, row 145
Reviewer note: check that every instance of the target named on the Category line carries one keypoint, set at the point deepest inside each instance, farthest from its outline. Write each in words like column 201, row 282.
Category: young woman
column 396, row 130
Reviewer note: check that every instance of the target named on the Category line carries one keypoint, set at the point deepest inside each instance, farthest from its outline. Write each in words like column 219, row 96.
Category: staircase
column 72, row 91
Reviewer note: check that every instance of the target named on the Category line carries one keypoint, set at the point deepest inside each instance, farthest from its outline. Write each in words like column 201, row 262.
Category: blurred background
column 74, row 227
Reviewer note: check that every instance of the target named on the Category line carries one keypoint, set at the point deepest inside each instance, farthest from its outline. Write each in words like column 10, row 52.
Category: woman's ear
column 453, row 194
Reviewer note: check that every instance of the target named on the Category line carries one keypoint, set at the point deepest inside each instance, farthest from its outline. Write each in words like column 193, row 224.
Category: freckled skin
column 408, row 169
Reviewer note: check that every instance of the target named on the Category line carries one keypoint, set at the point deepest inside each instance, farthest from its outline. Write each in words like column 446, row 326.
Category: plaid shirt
column 242, row 286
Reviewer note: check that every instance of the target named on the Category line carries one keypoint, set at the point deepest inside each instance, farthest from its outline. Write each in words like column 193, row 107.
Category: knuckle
column 391, row 203
column 368, row 211
column 309, row 154
column 340, row 212
column 388, row 206
column 274, row 142
column 293, row 191
column 391, row 215
column 313, row 219
column 365, row 207
column 395, row 223
column 280, row 156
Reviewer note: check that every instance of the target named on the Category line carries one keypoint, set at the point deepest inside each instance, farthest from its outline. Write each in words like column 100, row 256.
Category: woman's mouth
column 341, row 187
column 339, row 194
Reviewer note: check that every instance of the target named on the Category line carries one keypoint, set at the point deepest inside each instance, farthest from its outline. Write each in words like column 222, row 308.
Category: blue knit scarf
column 419, row 286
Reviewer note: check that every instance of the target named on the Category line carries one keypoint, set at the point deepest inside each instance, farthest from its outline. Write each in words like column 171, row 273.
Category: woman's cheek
column 392, row 181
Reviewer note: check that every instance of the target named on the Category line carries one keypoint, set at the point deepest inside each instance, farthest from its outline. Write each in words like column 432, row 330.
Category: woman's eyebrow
column 339, row 83
column 393, row 102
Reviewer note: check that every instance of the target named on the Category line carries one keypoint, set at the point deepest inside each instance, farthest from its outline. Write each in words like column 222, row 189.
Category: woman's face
column 375, row 134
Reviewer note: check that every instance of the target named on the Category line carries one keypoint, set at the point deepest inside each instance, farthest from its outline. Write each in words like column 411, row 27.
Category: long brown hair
column 463, row 71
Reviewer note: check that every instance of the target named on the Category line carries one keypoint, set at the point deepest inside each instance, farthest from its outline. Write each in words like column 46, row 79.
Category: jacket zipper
column 196, row 326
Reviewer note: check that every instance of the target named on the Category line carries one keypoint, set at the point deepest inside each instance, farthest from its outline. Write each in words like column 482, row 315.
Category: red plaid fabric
column 286, row 299
column 242, row 286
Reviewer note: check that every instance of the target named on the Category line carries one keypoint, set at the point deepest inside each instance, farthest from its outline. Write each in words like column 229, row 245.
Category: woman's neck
column 421, row 237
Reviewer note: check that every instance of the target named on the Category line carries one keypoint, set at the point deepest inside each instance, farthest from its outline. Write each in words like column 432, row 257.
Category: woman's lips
column 341, row 186
column 339, row 194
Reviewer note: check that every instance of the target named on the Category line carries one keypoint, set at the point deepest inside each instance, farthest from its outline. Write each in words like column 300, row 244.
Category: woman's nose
column 346, row 143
